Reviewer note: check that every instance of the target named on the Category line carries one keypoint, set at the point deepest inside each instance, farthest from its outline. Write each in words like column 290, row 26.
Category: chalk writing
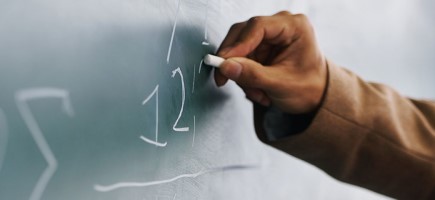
column 173, row 32
column 183, row 99
column 156, row 143
column 194, row 77
column 205, row 42
column 200, row 65
column 22, row 97
column 121, row 185
column 194, row 130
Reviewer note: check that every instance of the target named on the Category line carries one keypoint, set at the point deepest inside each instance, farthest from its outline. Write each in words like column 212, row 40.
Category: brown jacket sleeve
column 368, row 135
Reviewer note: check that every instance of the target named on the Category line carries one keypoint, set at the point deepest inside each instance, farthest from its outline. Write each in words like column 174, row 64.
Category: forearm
column 368, row 135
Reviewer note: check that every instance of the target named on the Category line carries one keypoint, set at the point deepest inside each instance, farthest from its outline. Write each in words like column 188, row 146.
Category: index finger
column 278, row 29
column 231, row 38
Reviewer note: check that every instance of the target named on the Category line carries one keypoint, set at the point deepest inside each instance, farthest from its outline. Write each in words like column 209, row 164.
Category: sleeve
column 364, row 134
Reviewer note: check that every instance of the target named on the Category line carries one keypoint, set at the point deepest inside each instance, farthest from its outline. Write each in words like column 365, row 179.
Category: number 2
column 183, row 99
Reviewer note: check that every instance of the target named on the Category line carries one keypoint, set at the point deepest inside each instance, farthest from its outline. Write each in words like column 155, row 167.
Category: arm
column 361, row 133
column 367, row 135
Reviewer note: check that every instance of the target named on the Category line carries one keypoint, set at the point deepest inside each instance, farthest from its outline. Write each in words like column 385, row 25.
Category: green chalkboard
column 111, row 100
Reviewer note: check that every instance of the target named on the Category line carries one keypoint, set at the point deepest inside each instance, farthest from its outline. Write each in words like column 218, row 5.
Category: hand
column 275, row 60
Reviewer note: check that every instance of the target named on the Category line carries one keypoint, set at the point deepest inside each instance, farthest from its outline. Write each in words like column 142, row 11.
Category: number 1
column 158, row 144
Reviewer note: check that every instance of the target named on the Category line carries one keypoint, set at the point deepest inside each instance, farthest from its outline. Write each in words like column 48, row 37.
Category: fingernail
column 231, row 69
column 220, row 82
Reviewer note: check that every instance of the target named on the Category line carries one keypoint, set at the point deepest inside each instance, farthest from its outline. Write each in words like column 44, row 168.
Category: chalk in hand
column 212, row 60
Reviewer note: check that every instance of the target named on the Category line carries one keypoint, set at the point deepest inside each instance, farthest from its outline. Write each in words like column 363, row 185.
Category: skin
column 276, row 61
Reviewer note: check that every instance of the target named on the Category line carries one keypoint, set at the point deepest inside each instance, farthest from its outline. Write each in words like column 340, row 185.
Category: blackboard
column 111, row 100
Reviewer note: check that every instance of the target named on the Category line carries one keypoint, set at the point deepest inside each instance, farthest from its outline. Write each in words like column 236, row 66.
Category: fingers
column 279, row 29
column 219, row 78
column 257, row 38
column 231, row 38
column 257, row 96
column 295, row 77
column 259, row 115
column 247, row 73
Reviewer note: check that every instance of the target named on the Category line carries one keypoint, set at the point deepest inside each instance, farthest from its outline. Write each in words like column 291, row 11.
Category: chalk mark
column 194, row 78
column 121, row 185
column 21, row 98
column 153, row 142
column 183, row 98
column 173, row 32
column 194, row 130
column 3, row 137
column 156, row 143
column 205, row 24
column 200, row 66
column 175, row 195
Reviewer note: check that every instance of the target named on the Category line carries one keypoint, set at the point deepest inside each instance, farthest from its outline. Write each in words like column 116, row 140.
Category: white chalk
column 212, row 60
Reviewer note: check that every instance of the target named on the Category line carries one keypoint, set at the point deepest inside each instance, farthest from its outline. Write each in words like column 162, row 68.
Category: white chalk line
column 194, row 78
column 194, row 130
column 156, row 143
column 183, row 98
column 173, row 32
column 200, row 66
column 153, row 142
column 121, row 185
column 3, row 137
column 155, row 91
column 205, row 23
column 21, row 100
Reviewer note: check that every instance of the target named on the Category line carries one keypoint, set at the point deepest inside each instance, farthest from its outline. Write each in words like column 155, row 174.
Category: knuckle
column 301, row 18
column 236, row 26
column 303, row 22
column 284, row 13
column 255, row 21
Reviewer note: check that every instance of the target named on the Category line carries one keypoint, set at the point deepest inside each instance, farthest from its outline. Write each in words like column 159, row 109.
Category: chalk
column 212, row 60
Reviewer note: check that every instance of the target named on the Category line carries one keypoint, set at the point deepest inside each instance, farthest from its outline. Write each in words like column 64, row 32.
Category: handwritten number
column 156, row 143
column 183, row 99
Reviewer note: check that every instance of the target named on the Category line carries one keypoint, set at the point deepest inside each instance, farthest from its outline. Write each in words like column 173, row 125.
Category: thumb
column 246, row 72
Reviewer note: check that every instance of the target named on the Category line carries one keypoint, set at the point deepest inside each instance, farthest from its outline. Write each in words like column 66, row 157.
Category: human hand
column 275, row 60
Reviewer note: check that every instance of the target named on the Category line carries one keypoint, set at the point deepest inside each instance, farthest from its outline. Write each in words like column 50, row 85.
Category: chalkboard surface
column 110, row 100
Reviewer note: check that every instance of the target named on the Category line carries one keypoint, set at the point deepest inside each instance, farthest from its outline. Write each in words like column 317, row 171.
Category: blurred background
column 389, row 41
